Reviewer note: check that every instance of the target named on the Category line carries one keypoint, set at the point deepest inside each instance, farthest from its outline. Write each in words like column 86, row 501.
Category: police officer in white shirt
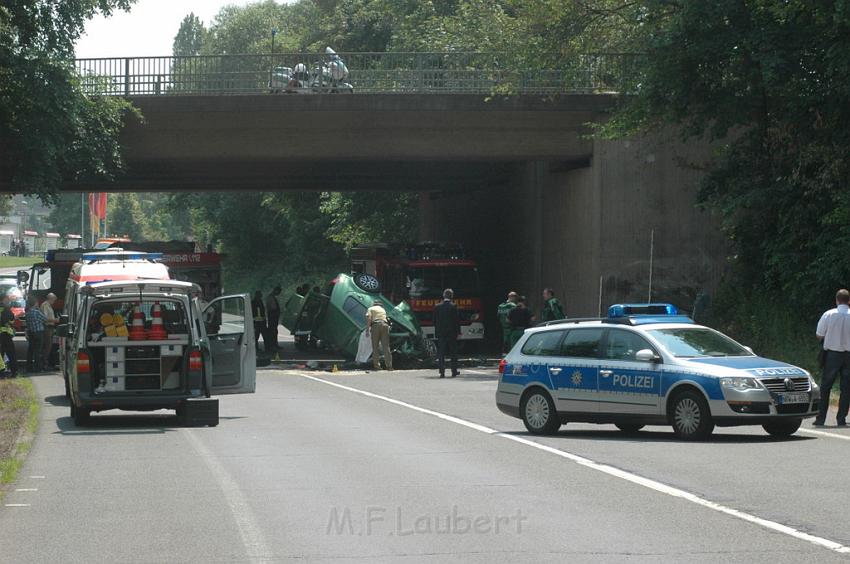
column 834, row 330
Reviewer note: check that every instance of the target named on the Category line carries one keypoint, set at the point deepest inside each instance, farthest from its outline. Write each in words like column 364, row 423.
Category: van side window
column 582, row 343
column 546, row 343
column 624, row 345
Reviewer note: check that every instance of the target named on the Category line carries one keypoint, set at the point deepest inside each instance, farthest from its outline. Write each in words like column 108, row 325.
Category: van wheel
column 690, row 416
column 629, row 427
column 538, row 413
column 80, row 416
column 783, row 428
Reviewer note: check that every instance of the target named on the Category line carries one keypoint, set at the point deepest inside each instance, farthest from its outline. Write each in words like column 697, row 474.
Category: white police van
column 647, row 365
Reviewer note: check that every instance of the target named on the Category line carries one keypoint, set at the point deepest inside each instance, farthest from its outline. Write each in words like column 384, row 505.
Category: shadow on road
column 615, row 435
column 59, row 401
column 120, row 425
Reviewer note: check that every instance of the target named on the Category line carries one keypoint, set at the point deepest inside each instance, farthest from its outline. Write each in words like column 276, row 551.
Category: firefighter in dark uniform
column 258, row 310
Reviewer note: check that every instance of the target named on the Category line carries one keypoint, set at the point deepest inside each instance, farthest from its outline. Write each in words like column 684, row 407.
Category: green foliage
column 357, row 218
column 768, row 81
column 190, row 37
column 50, row 130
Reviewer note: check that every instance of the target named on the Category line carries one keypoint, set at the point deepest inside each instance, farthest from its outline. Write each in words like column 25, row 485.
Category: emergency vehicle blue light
column 121, row 256
column 624, row 310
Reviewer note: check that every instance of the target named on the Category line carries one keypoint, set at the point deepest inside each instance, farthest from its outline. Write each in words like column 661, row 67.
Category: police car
column 645, row 364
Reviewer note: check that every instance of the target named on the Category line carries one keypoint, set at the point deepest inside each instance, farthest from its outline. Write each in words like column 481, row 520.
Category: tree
column 190, row 37
column 51, row 130
column 124, row 218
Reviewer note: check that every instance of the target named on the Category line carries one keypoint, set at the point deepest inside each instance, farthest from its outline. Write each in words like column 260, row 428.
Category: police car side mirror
column 749, row 350
column 646, row 355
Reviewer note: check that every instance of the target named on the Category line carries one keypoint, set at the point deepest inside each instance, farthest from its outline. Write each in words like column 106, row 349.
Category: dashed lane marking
column 609, row 470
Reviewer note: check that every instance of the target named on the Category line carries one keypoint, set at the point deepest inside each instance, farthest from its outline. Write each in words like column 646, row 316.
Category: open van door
column 230, row 333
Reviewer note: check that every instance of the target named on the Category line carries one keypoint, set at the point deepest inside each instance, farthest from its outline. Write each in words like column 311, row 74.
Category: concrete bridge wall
column 586, row 230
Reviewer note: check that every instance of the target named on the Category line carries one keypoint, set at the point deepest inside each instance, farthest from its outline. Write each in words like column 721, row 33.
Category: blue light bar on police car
column 624, row 310
column 121, row 256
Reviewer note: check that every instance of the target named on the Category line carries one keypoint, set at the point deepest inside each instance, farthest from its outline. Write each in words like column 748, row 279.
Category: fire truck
column 180, row 257
column 418, row 274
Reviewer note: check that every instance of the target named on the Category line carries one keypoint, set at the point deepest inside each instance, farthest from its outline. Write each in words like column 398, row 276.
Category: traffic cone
column 157, row 331
column 137, row 330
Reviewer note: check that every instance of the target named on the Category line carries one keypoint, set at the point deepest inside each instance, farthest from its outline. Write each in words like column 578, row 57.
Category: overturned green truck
column 335, row 317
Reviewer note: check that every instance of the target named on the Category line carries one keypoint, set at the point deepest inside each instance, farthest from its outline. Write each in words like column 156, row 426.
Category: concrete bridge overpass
column 515, row 178
column 344, row 142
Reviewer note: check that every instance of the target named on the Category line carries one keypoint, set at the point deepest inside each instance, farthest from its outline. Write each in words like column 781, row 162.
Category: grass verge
column 9, row 262
column 18, row 423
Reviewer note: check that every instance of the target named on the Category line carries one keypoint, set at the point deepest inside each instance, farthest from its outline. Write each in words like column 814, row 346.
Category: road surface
column 405, row 467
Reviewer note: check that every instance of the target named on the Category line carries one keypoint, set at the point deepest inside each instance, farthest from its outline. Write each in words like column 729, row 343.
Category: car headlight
column 740, row 384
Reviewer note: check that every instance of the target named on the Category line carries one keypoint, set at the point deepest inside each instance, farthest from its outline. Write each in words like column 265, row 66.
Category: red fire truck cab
column 419, row 273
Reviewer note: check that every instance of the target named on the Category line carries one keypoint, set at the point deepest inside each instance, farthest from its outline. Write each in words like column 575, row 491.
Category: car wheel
column 782, row 428
column 629, row 427
column 367, row 282
column 67, row 387
column 80, row 416
column 538, row 413
column 690, row 416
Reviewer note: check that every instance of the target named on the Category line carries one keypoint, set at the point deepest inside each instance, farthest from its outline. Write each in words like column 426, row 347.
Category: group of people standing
column 41, row 322
column 266, row 316
column 515, row 316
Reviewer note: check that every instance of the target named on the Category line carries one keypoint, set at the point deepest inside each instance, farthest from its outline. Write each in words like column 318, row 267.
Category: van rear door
column 230, row 333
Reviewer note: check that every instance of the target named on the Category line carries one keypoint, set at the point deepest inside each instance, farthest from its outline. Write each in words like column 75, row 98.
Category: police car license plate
column 799, row 397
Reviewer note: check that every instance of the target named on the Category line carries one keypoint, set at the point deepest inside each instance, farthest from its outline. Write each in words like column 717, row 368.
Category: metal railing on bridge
column 384, row 73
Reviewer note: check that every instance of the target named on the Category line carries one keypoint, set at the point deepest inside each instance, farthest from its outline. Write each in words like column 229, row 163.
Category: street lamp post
column 271, row 66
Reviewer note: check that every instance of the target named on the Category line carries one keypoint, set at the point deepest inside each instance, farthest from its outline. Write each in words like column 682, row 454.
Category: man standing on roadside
column 834, row 330
column 552, row 309
column 273, row 316
column 378, row 328
column 49, row 325
column 7, row 335
column 520, row 319
column 446, row 329
column 258, row 311
column 502, row 313
column 35, row 335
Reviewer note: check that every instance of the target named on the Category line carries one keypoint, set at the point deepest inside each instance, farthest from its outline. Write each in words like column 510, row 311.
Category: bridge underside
column 516, row 180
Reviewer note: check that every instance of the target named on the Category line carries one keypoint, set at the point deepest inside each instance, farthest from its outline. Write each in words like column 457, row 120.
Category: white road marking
column 17, row 505
column 252, row 536
column 610, row 470
column 37, row 477
column 826, row 434
column 26, row 489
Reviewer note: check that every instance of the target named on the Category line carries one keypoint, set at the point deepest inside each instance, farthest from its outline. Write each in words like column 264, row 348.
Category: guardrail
column 390, row 73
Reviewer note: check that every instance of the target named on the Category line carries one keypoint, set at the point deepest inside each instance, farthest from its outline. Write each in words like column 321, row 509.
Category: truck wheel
column 538, row 413
column 783, row 428
column 367, row 282
column 80, row 416
column 690, row 416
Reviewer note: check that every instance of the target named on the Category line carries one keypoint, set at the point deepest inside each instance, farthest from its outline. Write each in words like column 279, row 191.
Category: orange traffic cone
column 137, row 330
column 157, row 331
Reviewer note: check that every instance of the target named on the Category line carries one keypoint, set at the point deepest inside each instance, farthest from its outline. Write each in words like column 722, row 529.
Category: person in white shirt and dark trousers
column 834, row 330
